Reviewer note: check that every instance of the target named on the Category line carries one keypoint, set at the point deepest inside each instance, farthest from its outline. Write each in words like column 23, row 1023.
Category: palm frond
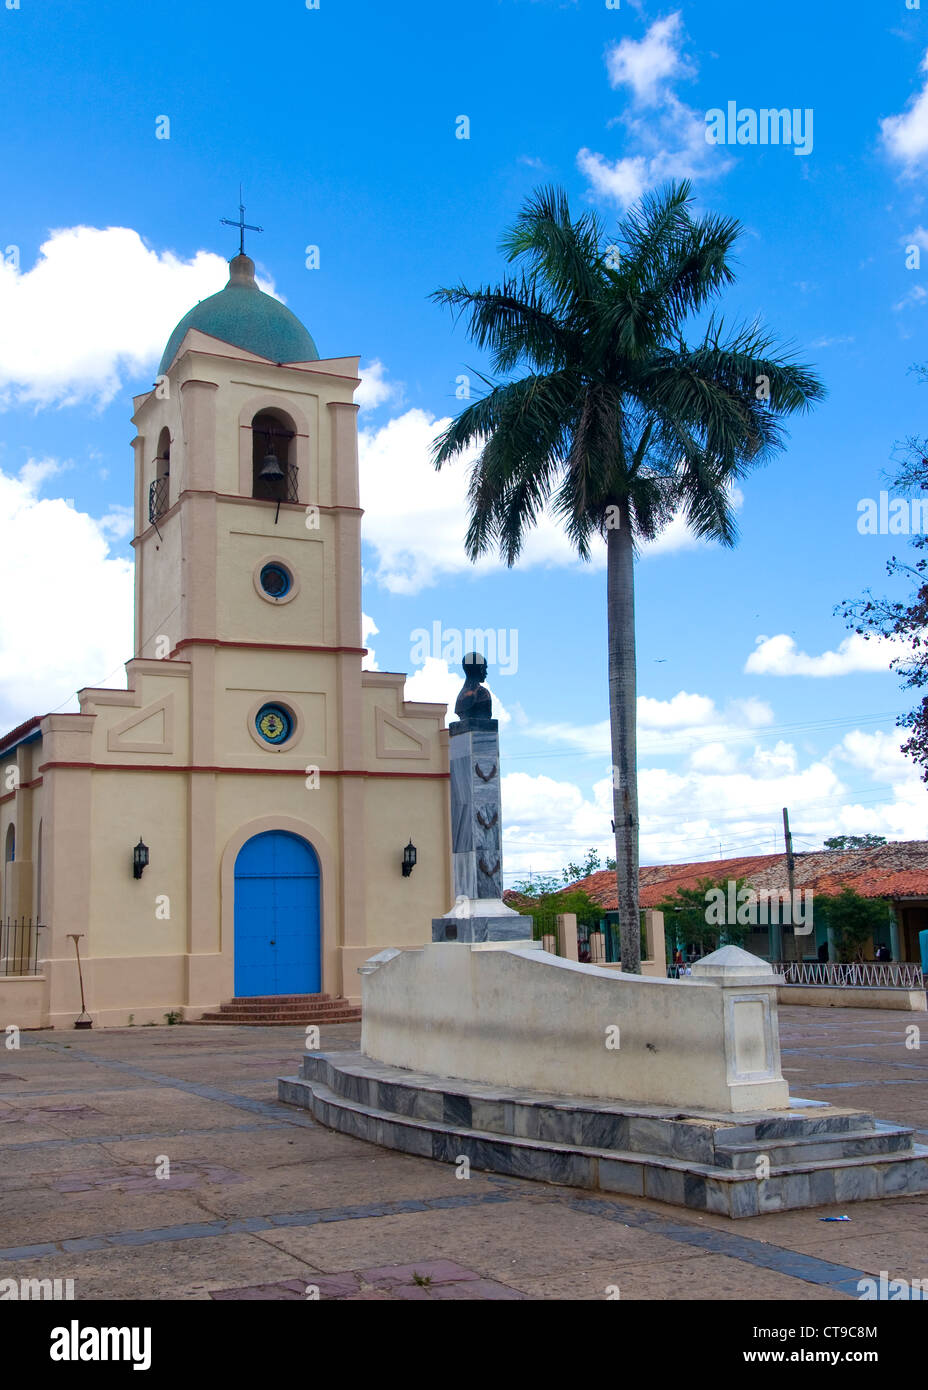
column 561, row 251
column 510, row 320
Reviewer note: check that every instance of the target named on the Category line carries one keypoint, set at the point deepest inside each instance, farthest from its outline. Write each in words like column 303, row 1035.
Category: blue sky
column 341, row 124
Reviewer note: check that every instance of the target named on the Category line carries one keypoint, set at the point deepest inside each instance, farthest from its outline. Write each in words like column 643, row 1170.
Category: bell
column 271, row 471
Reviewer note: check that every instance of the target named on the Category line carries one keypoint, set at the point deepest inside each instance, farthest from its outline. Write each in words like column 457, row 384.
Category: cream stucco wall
column 172, row 759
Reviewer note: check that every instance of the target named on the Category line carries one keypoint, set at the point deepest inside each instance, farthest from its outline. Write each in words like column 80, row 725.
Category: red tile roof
column 896, row 870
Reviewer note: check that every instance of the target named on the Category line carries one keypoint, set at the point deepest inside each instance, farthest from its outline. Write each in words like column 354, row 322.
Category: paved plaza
column 255, row 1200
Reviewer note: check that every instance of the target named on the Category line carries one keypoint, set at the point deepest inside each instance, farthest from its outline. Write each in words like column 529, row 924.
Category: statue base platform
column 816, row 1154
column 482, row 919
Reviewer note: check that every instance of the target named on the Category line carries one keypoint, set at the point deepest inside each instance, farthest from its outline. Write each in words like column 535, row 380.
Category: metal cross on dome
column 242, row 225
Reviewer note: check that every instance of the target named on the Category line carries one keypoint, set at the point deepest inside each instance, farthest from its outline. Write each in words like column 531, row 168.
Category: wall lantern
column 409, row 859
column 139, row 858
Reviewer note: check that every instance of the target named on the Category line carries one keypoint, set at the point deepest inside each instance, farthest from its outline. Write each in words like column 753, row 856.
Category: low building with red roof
column 896, row 872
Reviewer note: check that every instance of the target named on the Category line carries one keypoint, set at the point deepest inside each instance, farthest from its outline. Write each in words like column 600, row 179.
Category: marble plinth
column 810, row 1154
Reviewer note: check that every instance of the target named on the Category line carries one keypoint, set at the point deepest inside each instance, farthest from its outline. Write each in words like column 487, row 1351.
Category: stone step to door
column 344, row 1016
column 284, row 1009
column 326, row 1007
column 271, row 1000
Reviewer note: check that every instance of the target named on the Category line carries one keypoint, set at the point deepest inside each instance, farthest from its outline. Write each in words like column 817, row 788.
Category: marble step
column 683, row 1182
column 698, row 1136
column 786, row 1153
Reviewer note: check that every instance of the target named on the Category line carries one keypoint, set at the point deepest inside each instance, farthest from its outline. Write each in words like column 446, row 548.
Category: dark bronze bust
column 474, row 701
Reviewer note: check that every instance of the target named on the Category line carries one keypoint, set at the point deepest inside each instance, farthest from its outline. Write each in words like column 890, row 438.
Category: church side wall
column 23, row 999
column 399, row 911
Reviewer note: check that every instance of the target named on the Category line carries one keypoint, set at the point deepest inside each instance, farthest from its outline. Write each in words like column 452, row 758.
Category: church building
column 253, row 815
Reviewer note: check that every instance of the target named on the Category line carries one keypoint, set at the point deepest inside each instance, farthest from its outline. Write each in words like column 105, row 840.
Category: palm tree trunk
column 623, row 714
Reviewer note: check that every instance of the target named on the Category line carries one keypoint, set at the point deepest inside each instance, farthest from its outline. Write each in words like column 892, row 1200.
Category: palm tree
column 618, row 423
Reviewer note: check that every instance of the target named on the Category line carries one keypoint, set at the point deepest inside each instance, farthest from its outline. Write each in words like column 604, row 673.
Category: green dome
column 246, row 317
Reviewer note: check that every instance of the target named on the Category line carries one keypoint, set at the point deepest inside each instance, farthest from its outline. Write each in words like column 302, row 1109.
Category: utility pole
column 790, row 875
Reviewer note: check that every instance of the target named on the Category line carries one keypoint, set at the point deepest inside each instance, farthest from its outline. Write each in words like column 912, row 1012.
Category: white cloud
column 415, row 518
column 667, row 137
column 770, row 762
column 837, row 341
column 713, row 757
column 779, row 656
column 375, row 390
column 368, row 629
column 878, row 754
column 672, row 145
column 683, row 709
column 916, row 295
column 668, row 728
column 621, row 180
column 547, row 823
column 648, row 64
column 719, row 805
column 67, row 621
column 97, row 306
column 917, row 238
column 906, row 135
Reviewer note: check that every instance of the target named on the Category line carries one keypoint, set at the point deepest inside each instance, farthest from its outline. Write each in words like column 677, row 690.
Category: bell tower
column 247, row 524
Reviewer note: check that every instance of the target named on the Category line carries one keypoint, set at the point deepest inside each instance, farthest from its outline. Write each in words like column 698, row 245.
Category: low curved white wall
column 520, row 1017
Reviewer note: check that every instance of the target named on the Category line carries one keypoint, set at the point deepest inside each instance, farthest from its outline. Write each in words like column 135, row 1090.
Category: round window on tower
column 274, row 724
column 275, row 581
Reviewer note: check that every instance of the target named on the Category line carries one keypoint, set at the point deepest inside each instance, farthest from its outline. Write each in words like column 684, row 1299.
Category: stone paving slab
column 307, row 1204
column 425, row 1281
column 188, row 1269
column 710, row 1276
column 534, row 1239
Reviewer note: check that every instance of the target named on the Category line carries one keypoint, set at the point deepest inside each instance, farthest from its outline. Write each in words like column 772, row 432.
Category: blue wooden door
column 277, row 947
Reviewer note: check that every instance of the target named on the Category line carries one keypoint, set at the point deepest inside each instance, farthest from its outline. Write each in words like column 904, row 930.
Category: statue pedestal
column 479, row 913
column 473, row 920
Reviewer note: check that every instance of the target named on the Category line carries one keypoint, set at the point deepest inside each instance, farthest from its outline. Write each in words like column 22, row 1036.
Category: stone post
column 656, row 945
column 776, row 943
column 751, row 1027
column 567, row 935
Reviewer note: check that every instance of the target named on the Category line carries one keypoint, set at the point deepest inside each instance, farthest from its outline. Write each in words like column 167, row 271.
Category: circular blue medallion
column 276, row 580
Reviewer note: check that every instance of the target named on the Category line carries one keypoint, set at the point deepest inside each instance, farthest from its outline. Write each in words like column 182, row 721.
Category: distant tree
column 853, row 919
column 541, row 885
column 538, row 886
column 591, row 865
column 686, row 914
column 904, row 619
column 543, row 896
column 855, row 841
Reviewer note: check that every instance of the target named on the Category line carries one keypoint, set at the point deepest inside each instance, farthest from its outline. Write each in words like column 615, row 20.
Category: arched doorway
column 277, row 918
